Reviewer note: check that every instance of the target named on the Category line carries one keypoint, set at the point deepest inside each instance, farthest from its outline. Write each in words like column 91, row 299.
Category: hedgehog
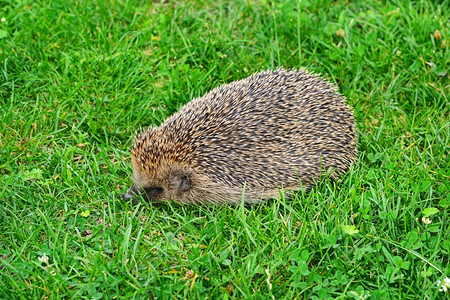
column 277, row 130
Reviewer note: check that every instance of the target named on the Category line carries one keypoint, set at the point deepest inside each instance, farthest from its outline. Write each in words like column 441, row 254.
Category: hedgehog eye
column 154, row 191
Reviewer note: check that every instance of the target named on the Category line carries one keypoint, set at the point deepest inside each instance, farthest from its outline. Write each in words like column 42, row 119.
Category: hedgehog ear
column 182, row 182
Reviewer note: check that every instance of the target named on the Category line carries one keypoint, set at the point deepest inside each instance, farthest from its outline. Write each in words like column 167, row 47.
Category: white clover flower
column 43, row 258
column 426, row 220
column 3, row 19
column 444, row 286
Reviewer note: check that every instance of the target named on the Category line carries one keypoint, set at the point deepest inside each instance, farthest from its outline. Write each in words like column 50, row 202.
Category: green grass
column 78, row 78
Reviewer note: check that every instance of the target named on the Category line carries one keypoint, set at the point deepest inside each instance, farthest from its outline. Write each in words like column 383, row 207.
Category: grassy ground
column 77, row 78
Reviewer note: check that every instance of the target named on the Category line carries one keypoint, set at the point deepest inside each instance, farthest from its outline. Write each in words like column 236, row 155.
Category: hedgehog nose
column 131, row 196
column 128, row 196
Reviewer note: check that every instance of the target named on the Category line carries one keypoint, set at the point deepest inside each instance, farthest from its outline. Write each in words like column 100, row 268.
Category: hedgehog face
column 170, row 182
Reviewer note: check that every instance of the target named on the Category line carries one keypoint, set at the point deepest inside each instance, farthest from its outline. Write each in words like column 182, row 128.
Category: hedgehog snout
column 131, row 195
column 134, row 194
column 149, row 194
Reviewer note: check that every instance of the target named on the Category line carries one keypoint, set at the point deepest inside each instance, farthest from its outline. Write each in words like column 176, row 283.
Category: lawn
column 79, row 78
